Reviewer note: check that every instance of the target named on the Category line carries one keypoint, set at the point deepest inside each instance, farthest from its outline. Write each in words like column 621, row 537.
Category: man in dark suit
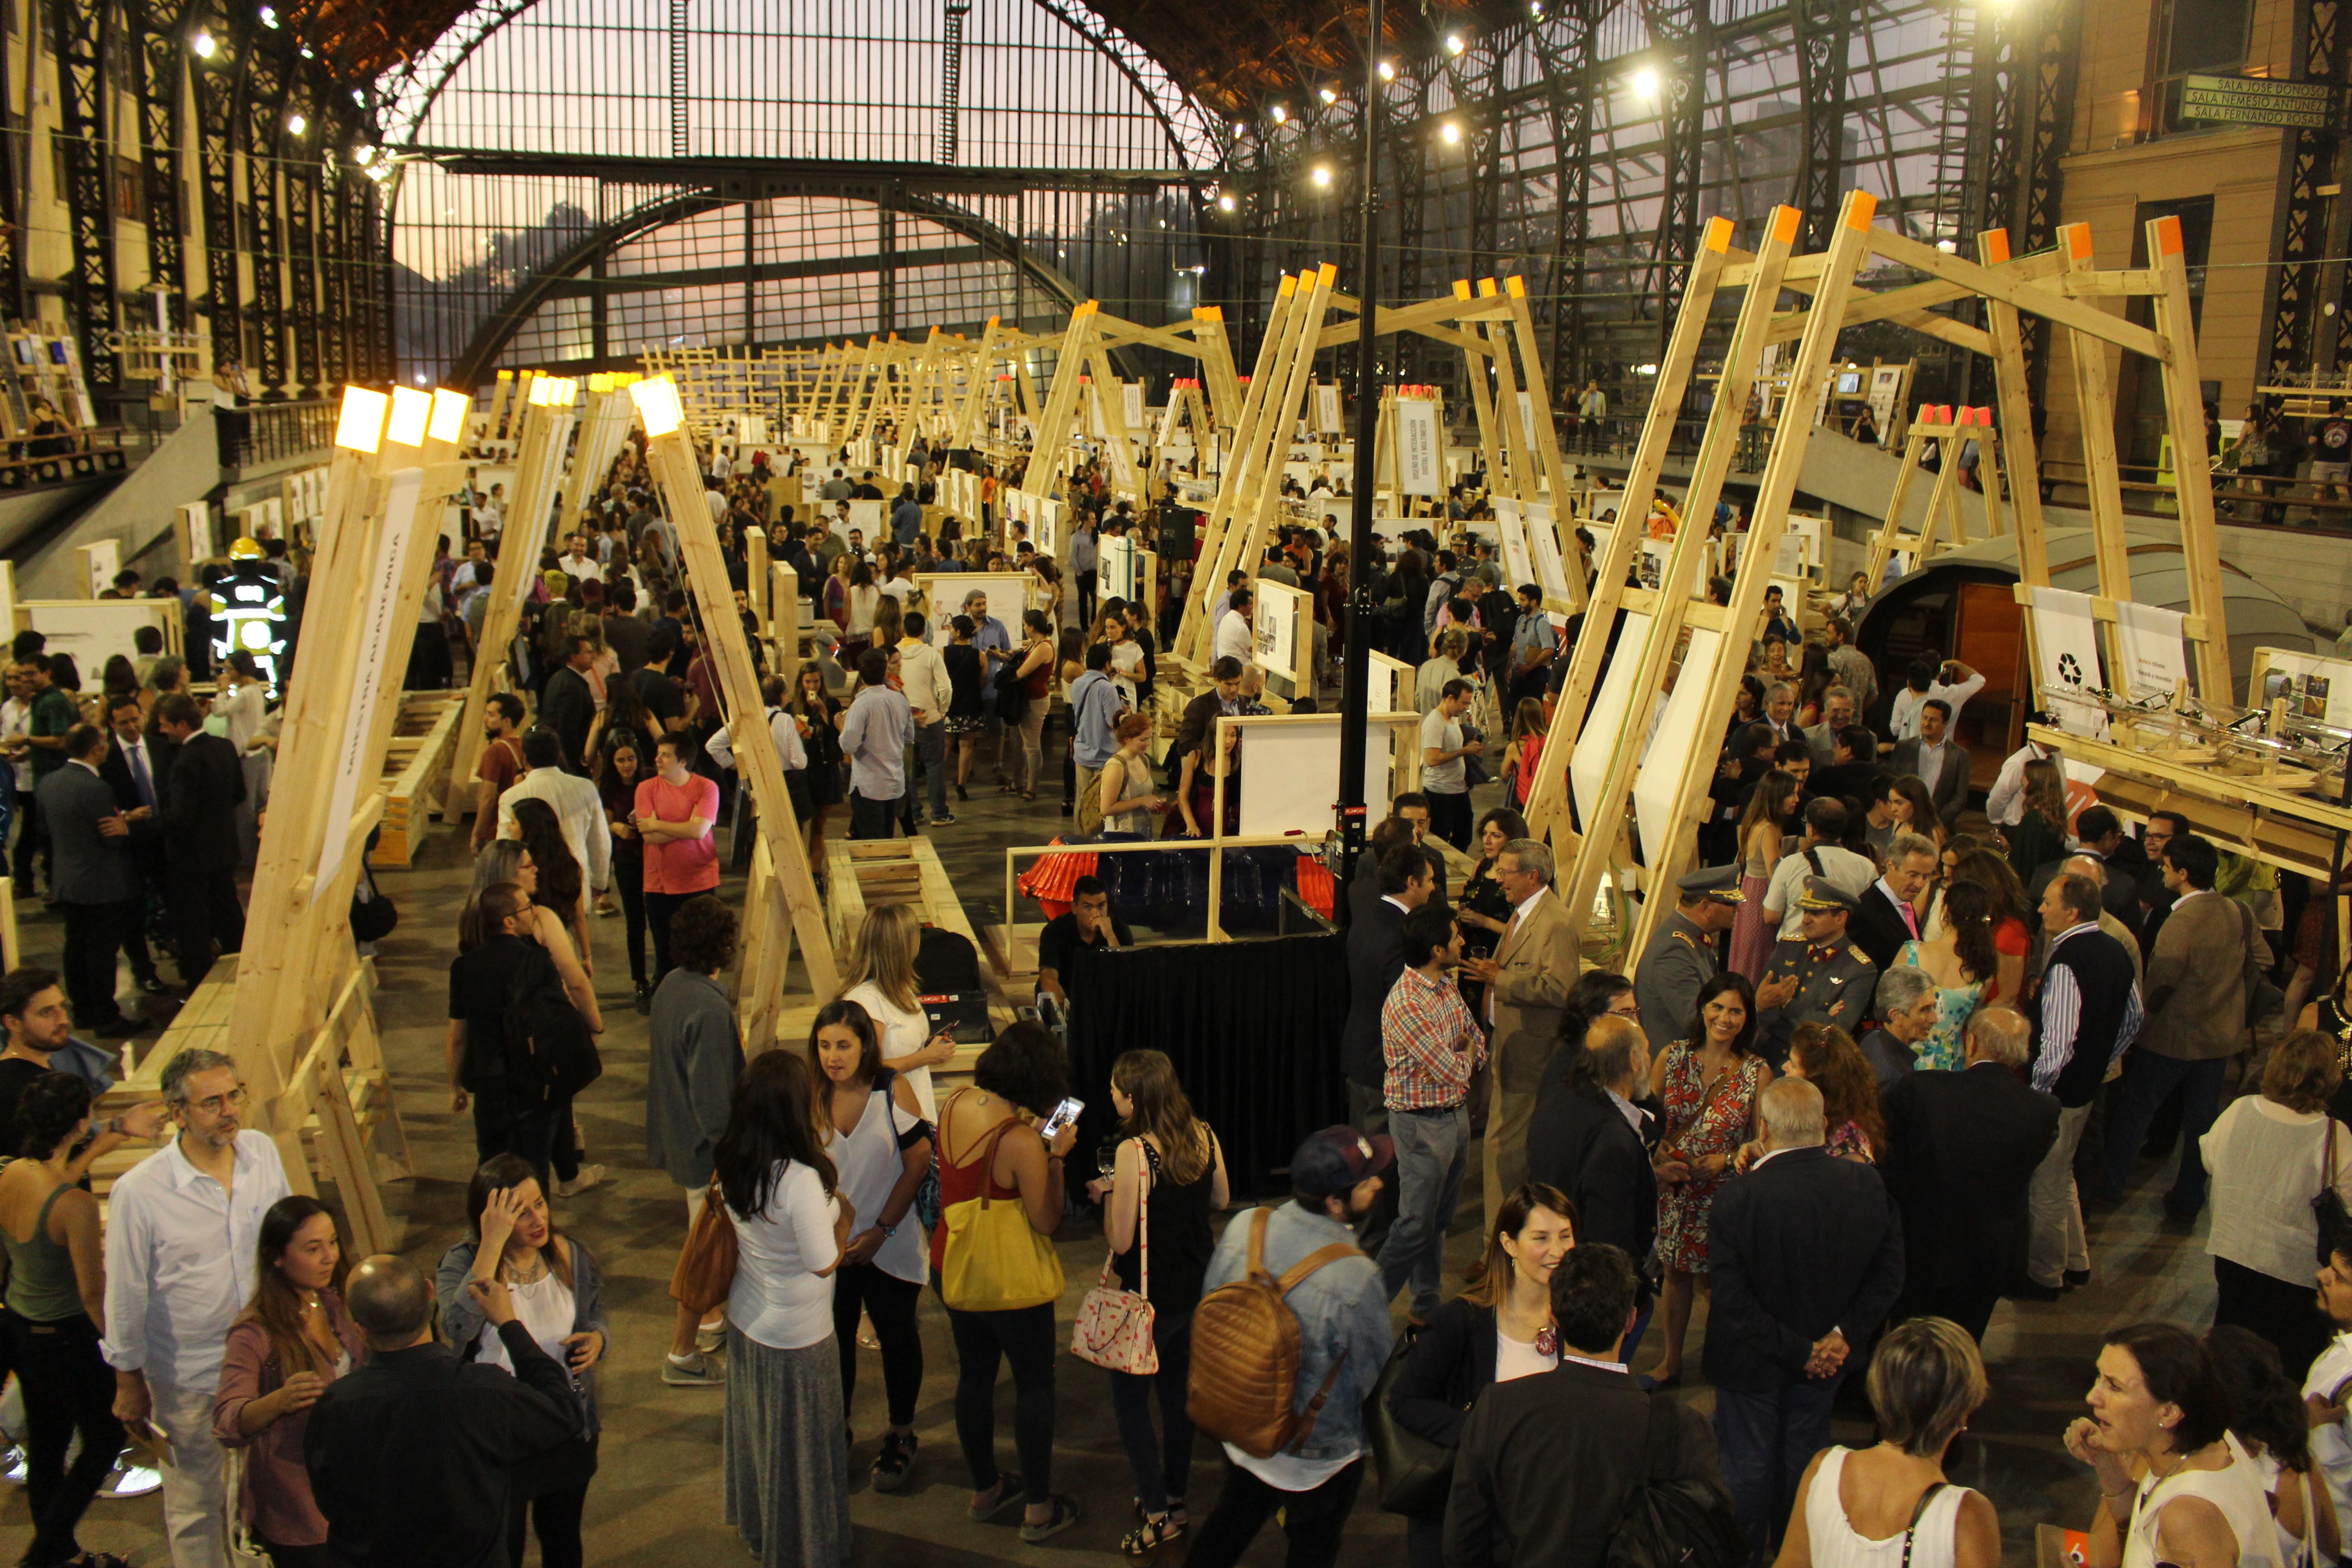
column 135, row 769
column 1591, row 1137
column 96, row 885
column 1937, row 760
column 568, row 705
column 2101, row 838
column 1375, row 958
column 1886, row 920
column 207, row 784
column 1806, row 1254
column 1971, row 1141
column 1544, row 1463
column 1906, row 1005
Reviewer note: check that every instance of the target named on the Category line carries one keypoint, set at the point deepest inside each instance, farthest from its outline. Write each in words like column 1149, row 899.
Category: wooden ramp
column 416, row 768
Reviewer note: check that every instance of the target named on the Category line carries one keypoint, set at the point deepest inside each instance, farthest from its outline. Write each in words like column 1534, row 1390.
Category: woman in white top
column 2268, row 1156
column 863, row 597
column 2268, row 1423
column 242, row 706
column 881, row 979
column 2170, row 1487
column 1890, row 1504
column 876, row 1134
column 787, row 1469
column 558, row 1293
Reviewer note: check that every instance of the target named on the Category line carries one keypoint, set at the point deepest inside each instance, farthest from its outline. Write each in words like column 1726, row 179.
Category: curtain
column 1253, row 1028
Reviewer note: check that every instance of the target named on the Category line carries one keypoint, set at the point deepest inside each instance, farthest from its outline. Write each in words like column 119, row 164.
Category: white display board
column 1658, row 783
column 1327, row 408
column 1588, row 767
column 1290, row 773
column 2148, row 640
column 1392, row 685
column 1283, row 632
column 1543, row 535
column 945, row 592
column 1518, row 565
column 95, row 630
column 868, row 518
column 1118, row 570
column 2316, row 688
column 1418, row 469
column 380, row 635
column 100, row 559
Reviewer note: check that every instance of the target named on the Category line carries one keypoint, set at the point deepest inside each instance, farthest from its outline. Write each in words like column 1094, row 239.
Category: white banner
column 1327, row 408
column 1527, row 421
column 1551, row 572
column 2154, row 659
column 1517, row 565
column 1419, row 472
column 2066, row 652
column 380, row 612
column 1588, row 766
column 1130, row 404
column 1658, row 785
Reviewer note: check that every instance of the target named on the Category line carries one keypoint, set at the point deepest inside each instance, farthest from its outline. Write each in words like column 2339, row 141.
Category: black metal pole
column 1356, row 664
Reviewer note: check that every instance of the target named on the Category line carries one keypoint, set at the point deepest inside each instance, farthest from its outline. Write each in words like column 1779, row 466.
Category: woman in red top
column 2013, row 938
column 675, row 811
column 986, row 1142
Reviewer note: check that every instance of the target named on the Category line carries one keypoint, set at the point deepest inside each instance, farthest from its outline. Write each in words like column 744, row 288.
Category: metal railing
column 258, row 434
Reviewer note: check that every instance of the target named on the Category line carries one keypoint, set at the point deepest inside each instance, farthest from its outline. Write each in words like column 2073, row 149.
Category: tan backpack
column 1244, row 1381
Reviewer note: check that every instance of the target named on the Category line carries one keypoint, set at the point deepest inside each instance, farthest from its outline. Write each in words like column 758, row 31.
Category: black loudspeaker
column 1179, row 528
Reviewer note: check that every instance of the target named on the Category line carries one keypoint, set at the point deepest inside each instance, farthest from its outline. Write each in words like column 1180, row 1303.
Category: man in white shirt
column 2005, row 801
column 183, row 1228
column 1953, row 683
column 923, row 676
column 1235, row 639
column 490, row 515
column 2324, row 1387
column 577, row 562
column 721, row 469
column 1822, row 855
column 715, row 500
column 1444, row 778
column 577, row 807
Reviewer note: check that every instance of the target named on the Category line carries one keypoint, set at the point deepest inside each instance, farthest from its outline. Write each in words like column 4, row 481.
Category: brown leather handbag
column 705, row 1264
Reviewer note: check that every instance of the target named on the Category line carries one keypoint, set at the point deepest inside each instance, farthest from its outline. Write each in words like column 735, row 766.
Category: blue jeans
column 1764, row 1440
column 2148, row 1080
column 1432, row 1154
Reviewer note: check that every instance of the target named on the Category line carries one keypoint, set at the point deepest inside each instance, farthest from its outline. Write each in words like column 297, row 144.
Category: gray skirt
column 787, row 1454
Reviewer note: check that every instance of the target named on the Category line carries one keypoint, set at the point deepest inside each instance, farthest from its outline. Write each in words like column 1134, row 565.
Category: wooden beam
column 2193, row 476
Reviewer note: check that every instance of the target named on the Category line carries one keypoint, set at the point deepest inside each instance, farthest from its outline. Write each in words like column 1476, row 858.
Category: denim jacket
column 461, row 1320
column 1342, row 1309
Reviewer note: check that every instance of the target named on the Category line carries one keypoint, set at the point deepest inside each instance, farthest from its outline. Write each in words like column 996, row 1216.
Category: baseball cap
column 1335, row 1159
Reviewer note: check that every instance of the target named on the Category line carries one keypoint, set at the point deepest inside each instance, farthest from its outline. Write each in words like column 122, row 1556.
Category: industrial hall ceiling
column 1230, row 53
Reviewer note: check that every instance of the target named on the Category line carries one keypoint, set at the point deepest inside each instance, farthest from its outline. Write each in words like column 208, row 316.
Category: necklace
column 515, row 1276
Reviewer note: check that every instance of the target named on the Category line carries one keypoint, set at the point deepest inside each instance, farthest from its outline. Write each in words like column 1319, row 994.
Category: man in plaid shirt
column 1431, row 1044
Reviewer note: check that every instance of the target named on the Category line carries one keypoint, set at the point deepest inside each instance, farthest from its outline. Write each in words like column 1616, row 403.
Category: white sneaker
column 11, row 1466
column 707, row 1341
column 130, row 1479
column 590, row 1176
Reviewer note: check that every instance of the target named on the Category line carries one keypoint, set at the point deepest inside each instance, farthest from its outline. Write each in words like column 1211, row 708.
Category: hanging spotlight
column 1454, row 44
column 1328, row 96
column 1645, row 83
column 203, row 43
column 362, row 156
column 269, row 17
column 1322, row 176
column 1449, row 132
column 1281, row 115
column 296, row 124
column 307, row 53
column 1388, row 71
column 1224, row 203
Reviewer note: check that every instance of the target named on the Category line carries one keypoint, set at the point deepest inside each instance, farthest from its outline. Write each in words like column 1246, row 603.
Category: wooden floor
column 658, row 1499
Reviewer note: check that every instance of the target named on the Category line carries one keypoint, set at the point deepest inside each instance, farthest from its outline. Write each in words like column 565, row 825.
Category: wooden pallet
column 416, row 768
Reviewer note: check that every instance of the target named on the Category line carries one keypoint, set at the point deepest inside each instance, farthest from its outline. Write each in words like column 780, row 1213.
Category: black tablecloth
column 1252, row 1026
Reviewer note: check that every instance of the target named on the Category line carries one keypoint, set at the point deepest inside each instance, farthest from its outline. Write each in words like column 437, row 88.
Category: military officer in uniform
column 1819, row 977
column 1680, row 956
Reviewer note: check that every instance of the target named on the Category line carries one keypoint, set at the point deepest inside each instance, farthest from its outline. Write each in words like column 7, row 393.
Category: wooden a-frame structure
column 1948, row 433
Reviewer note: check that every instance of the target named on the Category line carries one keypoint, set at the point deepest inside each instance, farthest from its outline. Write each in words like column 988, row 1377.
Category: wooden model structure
column 1949, row 431
column 295, row 1008
column 1603, row 733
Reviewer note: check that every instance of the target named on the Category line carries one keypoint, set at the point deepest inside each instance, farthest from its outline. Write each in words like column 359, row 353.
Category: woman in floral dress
column 1708, row 1081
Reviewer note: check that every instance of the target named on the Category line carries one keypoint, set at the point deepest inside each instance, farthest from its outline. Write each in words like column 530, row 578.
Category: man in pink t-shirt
column 674, row 811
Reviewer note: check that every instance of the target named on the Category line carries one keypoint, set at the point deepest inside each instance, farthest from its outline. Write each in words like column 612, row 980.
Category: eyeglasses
column 222, row 1104
column 1626, row 1009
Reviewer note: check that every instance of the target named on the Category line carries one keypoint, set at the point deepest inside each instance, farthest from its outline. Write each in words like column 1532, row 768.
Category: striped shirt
column 1421, row 1023
column 2062, row 1017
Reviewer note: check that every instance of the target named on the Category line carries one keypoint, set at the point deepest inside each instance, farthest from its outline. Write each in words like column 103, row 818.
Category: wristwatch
column 888, row 1230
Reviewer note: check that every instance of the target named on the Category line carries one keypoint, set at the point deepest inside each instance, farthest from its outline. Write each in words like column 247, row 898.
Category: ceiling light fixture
column 1281, row 115
column 270, row 16
column 1454, row 44
column 296, row 124
column 1322, row 176
column 1449, row 132
column 1224, row 203
column 1388, row 71
column 204, row 46
column 1327, row 95
column 1645, row 83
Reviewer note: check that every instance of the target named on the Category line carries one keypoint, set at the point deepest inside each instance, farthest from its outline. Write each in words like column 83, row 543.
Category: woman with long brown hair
column 1914, row 812
column 292, row 1339
column 881, row 1148
column 2013, row 933
column 787, row 1467
column 1826, row 1056
column 1168, row 1177
column 562, row 885
column 1761, row 833
column 1964, row 962
column 2040, row 837
column 559, row 1296
column 1498, row 1328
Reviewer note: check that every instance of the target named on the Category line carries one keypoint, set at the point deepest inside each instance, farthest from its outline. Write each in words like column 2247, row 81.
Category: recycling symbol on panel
column 2070, row 670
